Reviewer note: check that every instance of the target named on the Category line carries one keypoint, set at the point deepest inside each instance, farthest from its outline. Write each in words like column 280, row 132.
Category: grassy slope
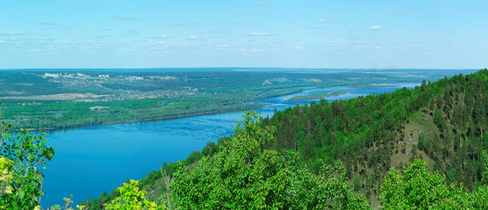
column 418, row 123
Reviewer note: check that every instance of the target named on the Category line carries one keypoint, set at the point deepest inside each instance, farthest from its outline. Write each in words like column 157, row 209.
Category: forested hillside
column 365, row 132
column 338, row 155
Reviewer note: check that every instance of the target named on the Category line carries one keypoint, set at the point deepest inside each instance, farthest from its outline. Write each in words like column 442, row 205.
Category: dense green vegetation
column 245, row 175
column 338, row 155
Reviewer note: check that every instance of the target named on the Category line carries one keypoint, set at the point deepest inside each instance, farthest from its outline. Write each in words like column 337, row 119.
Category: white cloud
column 298, row 47
column 376, row 47
column 242, row 50
column 193, row 37
column 323, row 21
column 376, row 27
column 255, row 50
column 261, row 3
column 224, row 45
column 160, row 42
column 245, row 41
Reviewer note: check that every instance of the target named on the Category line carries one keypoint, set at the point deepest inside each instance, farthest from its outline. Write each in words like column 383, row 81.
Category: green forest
column 420, row 148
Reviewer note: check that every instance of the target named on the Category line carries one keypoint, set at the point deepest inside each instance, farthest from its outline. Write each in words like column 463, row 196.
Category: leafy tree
column 242, row 174
column 485, row 163
column 131, row 198
column 5, row 177
column 439, row 120
column 417, row 188
column 27, row 151
column 245, row 175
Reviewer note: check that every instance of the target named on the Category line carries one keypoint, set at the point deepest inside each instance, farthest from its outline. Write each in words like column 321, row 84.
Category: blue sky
column 241, row 33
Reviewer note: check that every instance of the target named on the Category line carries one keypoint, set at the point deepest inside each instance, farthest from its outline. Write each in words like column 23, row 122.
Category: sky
column 384, row 34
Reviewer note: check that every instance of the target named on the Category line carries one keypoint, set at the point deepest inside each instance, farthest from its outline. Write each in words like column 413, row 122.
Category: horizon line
column 264, row 68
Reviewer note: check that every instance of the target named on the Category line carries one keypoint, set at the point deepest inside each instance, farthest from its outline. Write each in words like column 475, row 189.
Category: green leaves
column 418, row 188
column 132, row 199
column 485, row 163
column 5, row 177
column 244, row 175
column 27, row 151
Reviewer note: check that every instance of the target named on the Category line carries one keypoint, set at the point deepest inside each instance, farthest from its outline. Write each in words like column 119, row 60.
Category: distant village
column 102, row 82
column 102, row 76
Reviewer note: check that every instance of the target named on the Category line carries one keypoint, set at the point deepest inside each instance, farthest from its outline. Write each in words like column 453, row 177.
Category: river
column 90, row 160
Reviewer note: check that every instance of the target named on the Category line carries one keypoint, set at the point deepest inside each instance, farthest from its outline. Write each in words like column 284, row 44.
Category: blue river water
column 90, row 160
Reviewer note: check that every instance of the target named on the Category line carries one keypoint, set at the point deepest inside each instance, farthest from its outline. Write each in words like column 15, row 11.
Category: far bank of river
column 90, row 160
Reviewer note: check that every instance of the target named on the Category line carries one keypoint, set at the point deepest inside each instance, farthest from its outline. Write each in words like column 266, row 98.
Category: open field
column 57, row 97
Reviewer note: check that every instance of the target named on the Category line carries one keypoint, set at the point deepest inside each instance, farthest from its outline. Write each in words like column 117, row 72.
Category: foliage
column 485, row 163
column 66, row 206
column 241, row 175
column 244, row 175
column 131, row 198
column 329, row 190
column 27, row 151
column 5, row 177
column 417, row 188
